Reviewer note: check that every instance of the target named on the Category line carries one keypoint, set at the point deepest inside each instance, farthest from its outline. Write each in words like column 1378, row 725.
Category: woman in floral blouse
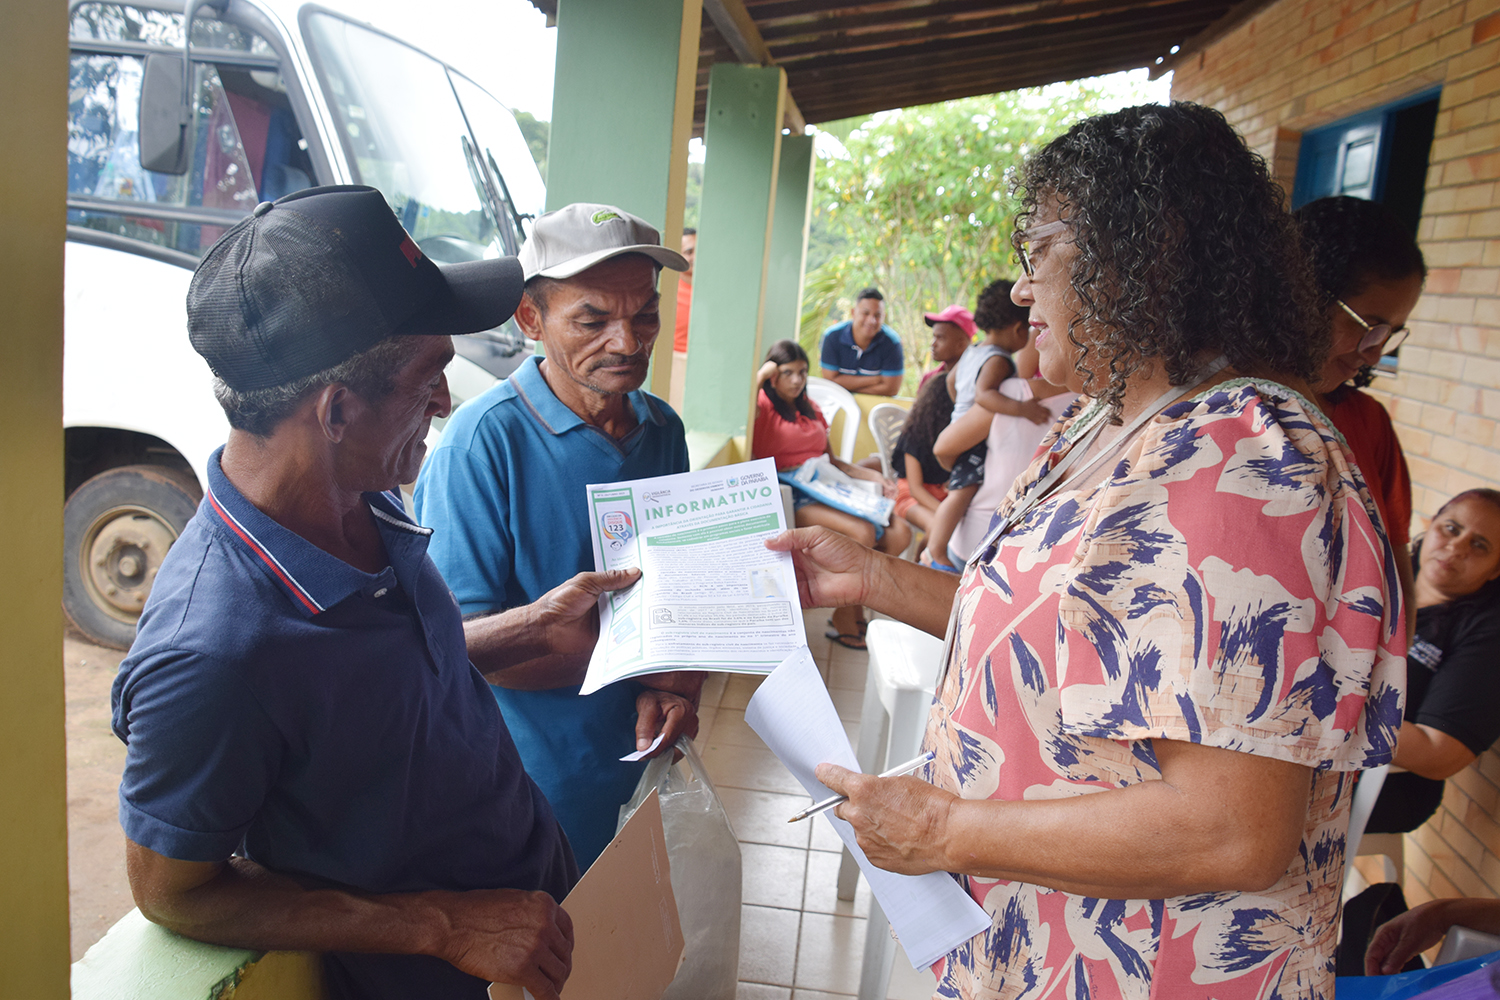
column 1167, row 664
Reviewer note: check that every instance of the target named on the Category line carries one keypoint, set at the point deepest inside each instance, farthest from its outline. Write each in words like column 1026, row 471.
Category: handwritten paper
column 931, row 914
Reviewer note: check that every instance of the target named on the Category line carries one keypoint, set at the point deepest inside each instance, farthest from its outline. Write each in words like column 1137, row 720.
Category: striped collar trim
column 396, row 522
column 298, row 591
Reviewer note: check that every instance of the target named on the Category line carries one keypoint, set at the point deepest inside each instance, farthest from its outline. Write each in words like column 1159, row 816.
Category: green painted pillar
column 742, row 148
column 789, row 241
column 622, row 114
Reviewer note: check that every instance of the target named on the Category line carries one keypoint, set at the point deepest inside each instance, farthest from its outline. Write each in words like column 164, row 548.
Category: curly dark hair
column 1354, row 243
column 785, row 352
column 994, row 310
column 932, row 411
column 1184, row 249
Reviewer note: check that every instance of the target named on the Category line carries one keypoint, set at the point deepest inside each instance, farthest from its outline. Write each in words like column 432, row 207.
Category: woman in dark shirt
column 1453, row 679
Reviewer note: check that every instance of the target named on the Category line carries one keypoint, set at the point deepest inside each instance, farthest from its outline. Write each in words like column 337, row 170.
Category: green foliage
column 694, row 198
column 922, row 206
column 537, row 134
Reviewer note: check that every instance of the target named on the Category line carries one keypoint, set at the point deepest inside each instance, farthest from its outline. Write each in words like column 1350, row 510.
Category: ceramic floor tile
column 823, row 837
column 848, row 703
column 738, row 689
column 828, row 953
column 761, row 817
column 818, row 995
column 713, row 689
column 707, row 717
column 748, row 767
column 773, row 876
column 908, row 983
column 760, row 991
column 768, row 944
column 821, row 894
column 847, row 670
column 732, row 730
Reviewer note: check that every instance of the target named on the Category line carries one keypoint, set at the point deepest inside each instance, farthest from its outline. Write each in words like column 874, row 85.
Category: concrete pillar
column 33, row 778
column 794, row 182
column 742, row 146
column 622, row 114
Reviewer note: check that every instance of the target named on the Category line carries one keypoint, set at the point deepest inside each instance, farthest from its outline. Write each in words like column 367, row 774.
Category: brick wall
column 1301, row 64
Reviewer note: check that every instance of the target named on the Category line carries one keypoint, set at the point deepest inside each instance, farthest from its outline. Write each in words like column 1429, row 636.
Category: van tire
column 117, row 528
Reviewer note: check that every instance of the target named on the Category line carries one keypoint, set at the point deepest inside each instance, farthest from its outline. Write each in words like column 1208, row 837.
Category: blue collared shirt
column 841, row 354
column 322, row 720
column 504, row 490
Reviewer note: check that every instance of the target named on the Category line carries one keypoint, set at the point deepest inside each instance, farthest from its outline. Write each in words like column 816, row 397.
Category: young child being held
column 976, row 400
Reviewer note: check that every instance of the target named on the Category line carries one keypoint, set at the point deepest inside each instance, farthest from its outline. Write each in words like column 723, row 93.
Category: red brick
column 1486, row 28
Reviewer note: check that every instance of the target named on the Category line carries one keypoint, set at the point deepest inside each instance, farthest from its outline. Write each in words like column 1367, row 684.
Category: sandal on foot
column 846, row 639
column 864, row 626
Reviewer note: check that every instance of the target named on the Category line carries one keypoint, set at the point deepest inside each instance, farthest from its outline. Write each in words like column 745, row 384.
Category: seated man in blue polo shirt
column 505, row 492
column 313, row 761
column 862, row 354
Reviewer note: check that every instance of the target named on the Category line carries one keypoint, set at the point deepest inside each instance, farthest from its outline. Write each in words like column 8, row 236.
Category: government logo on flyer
column 617, row 528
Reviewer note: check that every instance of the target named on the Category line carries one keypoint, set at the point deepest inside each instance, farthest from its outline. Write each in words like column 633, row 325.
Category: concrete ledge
column 138, row 960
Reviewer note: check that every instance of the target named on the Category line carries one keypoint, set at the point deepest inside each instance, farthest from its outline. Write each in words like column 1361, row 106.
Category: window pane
column 404, row 134
column 104, row 154
column 117, row 22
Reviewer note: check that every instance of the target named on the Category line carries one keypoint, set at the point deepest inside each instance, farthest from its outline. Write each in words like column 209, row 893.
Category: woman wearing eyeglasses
column 1180, row 639
column 1370, row 273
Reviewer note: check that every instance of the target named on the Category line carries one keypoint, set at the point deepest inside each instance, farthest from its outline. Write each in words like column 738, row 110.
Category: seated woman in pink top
column 790, row 428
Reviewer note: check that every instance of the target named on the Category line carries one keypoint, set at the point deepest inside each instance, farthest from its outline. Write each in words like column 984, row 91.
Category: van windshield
column 403, row 132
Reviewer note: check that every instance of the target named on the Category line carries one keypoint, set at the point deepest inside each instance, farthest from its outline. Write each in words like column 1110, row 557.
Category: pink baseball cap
column 957, row 315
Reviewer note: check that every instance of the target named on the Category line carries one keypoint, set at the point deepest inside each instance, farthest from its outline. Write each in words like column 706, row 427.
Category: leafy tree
column 922, row 205
column 537, row 134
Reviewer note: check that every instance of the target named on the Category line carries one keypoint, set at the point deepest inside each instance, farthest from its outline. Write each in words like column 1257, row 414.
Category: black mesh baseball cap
column 310, row 280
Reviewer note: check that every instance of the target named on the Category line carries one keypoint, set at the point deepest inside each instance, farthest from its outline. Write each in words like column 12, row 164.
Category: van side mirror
column 164, row 116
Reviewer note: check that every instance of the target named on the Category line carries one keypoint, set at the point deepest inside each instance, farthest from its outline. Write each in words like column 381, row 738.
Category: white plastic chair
column 1391, row 845
column 904, row 664
column 885, row 422
column 831, row 398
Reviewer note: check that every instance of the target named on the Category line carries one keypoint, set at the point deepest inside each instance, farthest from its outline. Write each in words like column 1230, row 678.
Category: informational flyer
column 711, row 595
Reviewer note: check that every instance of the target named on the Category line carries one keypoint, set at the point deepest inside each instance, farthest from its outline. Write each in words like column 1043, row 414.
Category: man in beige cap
column 505, row 491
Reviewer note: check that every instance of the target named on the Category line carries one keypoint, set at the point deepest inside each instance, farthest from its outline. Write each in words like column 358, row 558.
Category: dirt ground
column 98, row 894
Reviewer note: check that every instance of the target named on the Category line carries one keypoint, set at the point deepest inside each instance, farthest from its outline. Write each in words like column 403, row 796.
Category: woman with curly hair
column 1182, row 636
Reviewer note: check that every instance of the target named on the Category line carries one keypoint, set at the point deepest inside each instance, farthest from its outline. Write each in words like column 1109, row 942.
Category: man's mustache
column 616, row 360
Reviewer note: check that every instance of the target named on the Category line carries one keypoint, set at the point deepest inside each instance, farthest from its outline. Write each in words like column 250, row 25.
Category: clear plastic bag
column 705, row 858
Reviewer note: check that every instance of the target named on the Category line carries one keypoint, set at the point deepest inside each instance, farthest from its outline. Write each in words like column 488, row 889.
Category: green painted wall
column 33, row 779
column 788, row 241
column 742, row 142
column 622, row 110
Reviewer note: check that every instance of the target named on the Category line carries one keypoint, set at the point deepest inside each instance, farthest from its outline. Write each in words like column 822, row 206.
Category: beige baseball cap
column 574, row 238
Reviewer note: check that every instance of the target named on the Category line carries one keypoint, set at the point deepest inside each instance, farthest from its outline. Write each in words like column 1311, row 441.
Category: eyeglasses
column 1028, row 239
column 1380, row 335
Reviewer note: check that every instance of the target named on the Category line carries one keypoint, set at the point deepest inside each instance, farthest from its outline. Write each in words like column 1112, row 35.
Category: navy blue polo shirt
column 322, row 720
column 841, row 354
column 504, row 490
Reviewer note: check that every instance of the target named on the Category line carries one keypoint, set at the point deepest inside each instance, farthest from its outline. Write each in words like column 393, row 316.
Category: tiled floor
column 798, row 941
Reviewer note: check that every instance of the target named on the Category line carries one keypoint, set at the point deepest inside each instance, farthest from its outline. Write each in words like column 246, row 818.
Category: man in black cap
column 313, row 761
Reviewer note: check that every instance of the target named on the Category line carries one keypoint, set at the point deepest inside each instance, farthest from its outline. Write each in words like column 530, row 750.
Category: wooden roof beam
column 979, row 31
column 737, row 28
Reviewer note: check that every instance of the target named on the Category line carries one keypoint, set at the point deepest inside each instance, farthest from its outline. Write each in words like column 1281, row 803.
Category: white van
column 279, row 96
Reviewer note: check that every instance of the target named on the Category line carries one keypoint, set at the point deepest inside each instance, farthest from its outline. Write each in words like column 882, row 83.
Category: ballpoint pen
column 900, row 769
